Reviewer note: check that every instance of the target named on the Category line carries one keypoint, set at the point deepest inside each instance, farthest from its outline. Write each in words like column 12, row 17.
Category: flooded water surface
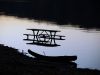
column 79, row 41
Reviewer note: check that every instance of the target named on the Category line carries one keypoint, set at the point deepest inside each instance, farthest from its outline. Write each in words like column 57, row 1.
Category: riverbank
column 14, row 63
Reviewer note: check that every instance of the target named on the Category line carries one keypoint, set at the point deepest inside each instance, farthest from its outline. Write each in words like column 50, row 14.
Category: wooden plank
column 29, row 39
column 28, row 34
column 43, row 30
column 38, row 41
column 44, row 34
column 44, row 44
column 60, row 37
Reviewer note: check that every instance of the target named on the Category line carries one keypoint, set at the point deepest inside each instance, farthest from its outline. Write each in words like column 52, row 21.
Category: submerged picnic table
column 43, row 37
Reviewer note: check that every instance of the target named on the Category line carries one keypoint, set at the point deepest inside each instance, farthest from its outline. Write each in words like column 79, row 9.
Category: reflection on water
column 83, row 43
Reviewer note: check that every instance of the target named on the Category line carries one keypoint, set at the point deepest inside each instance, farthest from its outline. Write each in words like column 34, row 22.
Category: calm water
column 83, row 43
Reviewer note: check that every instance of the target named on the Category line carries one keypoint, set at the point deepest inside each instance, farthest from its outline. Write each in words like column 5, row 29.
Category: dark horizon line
column 84, row 16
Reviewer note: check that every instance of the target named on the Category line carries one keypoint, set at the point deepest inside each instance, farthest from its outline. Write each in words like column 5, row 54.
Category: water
column 83, row 43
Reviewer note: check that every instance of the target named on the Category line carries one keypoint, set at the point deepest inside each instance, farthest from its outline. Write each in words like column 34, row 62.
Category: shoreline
column 13, row 62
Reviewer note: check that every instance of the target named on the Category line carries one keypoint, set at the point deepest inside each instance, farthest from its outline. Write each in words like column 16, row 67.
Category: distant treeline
column 76, row 12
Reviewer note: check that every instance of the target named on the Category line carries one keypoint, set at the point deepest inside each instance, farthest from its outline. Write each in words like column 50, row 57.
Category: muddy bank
column 14, row 63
